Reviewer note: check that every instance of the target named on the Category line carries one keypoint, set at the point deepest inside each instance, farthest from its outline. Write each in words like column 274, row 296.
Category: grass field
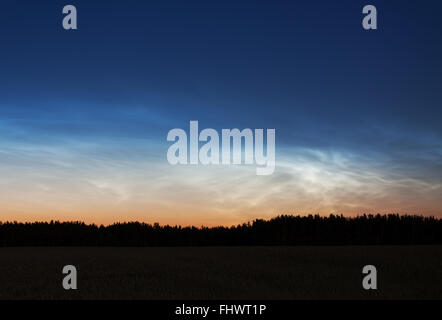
column 404, row 272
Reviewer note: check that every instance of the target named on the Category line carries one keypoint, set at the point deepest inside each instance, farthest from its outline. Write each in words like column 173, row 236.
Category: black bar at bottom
column 223, row 309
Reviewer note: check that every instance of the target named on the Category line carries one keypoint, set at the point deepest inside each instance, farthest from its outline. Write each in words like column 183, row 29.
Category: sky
column 84, row 114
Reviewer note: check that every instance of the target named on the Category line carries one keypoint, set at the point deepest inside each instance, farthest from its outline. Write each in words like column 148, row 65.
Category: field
column 404, row 272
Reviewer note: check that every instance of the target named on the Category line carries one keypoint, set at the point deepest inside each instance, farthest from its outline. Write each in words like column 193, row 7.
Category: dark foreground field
column 404, row 272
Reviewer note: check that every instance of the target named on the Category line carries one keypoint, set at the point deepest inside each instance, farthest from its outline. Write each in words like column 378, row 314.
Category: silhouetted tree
column 283, row 230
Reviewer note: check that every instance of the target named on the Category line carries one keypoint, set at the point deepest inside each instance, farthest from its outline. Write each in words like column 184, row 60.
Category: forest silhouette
column 392, row 229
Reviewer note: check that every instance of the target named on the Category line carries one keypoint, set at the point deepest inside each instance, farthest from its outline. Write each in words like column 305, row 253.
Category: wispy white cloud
column 107, row 180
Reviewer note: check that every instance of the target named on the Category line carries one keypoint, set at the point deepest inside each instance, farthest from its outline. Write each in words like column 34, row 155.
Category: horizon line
column 220, row 225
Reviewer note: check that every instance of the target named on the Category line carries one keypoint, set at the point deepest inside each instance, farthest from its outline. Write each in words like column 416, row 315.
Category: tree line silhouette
column 377, row 229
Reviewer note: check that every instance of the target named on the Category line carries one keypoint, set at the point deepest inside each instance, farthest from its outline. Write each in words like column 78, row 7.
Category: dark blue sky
column 136, row 69
column 294, row 65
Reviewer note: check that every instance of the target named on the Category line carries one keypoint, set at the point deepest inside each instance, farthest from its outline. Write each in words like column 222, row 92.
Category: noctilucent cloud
column 84, row 114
